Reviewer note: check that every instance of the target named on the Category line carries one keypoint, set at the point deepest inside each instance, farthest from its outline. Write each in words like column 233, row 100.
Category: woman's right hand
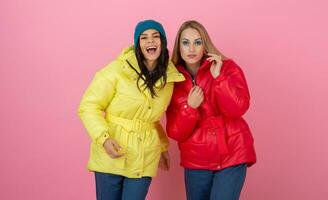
column 113, row 149
column 195, row 97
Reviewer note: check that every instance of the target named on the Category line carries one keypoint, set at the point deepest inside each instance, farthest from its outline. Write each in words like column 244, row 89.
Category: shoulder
column 230, row 66
column 111, row 71
column 112, row 68
column 118, row 66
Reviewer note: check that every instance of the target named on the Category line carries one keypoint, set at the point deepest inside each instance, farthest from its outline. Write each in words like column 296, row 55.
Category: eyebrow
column 188, row 39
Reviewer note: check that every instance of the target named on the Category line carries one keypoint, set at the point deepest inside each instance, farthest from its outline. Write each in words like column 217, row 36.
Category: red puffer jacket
column 213, row 136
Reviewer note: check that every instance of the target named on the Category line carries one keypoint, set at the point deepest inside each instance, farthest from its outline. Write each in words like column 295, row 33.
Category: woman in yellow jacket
column 121, row 110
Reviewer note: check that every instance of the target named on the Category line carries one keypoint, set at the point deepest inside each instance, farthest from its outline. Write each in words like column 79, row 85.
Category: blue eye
column 185, row 43
column 198, row 42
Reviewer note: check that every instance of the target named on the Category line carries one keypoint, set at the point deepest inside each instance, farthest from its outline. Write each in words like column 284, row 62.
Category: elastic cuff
column 103, row 137
column 188, row 110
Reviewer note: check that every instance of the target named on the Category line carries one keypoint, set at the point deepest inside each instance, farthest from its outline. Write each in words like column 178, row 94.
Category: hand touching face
column 216, row 64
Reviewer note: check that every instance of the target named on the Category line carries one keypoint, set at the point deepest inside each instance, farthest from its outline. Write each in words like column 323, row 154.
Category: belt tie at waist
column 134, row 124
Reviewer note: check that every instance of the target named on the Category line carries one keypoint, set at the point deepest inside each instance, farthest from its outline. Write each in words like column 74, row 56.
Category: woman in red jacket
column 205, row 117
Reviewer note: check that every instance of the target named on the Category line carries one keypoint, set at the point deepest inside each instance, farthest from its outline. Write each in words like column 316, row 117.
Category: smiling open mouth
column 151, row 49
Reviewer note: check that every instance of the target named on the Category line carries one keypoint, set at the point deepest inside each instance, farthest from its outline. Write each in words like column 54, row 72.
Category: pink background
column 50, row 50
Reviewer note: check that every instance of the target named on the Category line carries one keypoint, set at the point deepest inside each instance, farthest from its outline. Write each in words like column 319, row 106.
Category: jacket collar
column 129, row 56
column 205, row 64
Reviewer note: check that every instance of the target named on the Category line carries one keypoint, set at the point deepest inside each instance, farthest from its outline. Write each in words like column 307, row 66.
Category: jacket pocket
column 119, row 162
column 240, row 140
column 152, row 156
column 194, row 151
column 103, row 160
column 198, row 137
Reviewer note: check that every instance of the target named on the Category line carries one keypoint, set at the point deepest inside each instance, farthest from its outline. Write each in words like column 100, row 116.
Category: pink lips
column 191, row 56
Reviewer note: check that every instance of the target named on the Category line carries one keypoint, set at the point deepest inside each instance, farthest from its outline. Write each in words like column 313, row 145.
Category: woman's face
column 191, row 47
column 150, row 44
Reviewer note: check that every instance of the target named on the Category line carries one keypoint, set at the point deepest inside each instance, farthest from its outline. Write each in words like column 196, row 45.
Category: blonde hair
column 207, row 42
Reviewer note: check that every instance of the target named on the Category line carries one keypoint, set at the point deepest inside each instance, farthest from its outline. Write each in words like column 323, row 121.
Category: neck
column 150, row 65
column 193, row 68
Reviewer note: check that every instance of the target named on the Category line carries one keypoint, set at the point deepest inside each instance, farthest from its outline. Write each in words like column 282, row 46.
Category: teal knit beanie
column 145, row 25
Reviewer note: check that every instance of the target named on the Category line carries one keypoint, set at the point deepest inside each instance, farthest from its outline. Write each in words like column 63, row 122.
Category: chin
column 191, row 62
column 152, row 58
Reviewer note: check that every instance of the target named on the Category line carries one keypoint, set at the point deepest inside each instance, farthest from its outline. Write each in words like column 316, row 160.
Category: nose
column 191, row 48
column 150, row 40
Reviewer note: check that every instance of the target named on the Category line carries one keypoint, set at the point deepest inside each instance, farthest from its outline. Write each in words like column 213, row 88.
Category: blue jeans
column 223, row 184
column 116, row 187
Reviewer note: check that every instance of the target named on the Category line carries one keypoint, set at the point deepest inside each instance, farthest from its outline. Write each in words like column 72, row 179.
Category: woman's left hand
column 216, row 64
column 164, row 162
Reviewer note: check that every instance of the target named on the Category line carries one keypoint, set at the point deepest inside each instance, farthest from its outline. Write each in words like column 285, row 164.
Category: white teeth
column 149, row 48
column 152, row 48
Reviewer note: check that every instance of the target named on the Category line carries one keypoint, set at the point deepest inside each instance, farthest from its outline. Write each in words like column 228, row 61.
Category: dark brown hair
column 150, row 78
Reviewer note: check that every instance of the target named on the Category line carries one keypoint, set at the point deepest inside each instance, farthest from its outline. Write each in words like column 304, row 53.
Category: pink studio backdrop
column 50, row 50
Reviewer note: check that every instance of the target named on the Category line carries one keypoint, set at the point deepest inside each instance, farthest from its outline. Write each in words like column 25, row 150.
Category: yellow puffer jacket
column 113, row 107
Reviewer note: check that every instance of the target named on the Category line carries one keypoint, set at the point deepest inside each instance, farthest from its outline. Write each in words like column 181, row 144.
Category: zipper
column 193, row 79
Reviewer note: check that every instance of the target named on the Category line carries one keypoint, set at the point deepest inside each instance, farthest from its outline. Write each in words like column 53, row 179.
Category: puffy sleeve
column 231, row 91
column 181, row 120
column 95, row 100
